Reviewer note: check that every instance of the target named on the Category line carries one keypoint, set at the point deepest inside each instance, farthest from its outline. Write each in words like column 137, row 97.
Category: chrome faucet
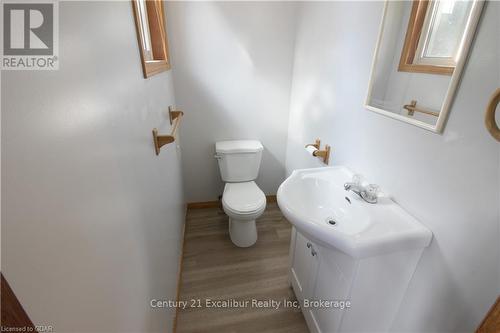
column 368, row 193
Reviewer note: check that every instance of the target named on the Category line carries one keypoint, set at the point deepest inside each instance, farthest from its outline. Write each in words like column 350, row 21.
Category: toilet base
column 243, row 233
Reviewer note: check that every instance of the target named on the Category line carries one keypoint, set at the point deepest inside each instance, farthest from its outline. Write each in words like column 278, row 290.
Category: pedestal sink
column 344, row 248
column 315, row 202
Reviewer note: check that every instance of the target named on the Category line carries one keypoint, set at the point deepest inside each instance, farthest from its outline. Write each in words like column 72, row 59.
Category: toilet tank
column 239, row 160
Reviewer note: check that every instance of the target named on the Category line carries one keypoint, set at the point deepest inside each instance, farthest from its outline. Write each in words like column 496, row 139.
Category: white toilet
column 243, row 201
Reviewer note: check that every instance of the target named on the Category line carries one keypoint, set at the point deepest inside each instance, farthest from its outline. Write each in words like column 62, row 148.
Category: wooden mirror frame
column 158, row 35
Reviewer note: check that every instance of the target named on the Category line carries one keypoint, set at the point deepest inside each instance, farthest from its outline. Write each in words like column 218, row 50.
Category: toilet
column 243, row 201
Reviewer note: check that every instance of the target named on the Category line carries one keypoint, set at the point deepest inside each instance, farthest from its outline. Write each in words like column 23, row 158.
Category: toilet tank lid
column 238, row 146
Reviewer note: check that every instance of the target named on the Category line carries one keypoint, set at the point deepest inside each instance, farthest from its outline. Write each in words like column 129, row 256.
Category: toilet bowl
column 243, row 201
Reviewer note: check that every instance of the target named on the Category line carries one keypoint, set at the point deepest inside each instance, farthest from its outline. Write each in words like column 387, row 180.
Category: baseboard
column 271, row 198
column 179, row 274
column 205, row 204
column 215, row 204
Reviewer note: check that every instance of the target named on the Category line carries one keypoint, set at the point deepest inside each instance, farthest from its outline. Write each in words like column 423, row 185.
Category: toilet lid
column 243, row 198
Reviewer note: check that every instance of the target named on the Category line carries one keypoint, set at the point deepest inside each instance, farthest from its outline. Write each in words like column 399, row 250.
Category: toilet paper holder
column 316, row 144
column 323, row 154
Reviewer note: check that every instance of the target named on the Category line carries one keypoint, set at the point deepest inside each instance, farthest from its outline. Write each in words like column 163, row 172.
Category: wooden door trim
column 13, row 313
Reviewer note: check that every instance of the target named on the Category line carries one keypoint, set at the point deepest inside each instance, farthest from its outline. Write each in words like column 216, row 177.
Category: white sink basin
column 310, row 198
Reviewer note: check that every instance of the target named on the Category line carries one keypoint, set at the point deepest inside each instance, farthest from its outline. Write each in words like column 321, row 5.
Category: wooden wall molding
column 491, row 323
column 13, row 314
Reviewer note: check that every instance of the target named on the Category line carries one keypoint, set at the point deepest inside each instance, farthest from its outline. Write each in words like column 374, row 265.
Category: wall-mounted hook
column 489, row 119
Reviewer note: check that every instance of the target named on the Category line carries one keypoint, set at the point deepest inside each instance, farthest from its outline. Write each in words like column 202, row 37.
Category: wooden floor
column 216, row 269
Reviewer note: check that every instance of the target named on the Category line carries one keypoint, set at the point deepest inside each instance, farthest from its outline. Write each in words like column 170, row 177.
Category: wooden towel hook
column 489, row 119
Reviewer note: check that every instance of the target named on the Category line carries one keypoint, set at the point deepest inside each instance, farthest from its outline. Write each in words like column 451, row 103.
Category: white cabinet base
column 374, row 286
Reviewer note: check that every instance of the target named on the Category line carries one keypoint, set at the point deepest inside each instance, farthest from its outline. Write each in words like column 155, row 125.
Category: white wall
column 449, row 182
column 91, row 218
column 232, row 64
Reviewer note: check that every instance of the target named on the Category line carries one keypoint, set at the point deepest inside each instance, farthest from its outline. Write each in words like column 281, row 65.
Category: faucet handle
column 372, row 191
column 373, row 188
column 357, row 179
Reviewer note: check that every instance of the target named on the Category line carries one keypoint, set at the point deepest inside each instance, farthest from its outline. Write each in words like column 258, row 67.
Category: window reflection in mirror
column 443, row 32
column 434, row 37
column 419, row 57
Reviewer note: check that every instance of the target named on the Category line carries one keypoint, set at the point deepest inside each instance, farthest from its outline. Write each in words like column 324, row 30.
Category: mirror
column 420, row 53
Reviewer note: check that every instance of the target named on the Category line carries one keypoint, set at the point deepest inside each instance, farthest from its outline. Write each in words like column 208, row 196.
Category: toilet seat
column 243, row 199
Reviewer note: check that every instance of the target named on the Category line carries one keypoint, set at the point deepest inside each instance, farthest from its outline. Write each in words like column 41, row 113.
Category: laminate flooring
column 215, row 273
